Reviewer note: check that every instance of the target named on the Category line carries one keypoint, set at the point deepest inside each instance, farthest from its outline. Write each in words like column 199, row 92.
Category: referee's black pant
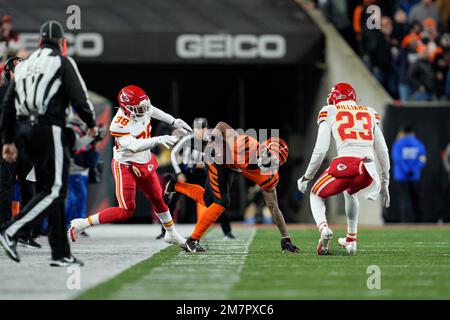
column 45, row 145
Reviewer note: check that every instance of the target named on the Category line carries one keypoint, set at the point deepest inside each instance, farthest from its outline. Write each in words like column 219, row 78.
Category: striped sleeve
column 270, row 183
column 377, row 118
column 323, row 115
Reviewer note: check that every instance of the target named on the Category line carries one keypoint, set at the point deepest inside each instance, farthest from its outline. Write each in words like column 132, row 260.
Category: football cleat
column 169, row 189
column 174, row 237
column 28, row 242
column 162, row 234
column 288, row 246
column 229, row 236
column 10, row 246
column 349, row 246
column 192, row 245
column 323, row 247
column 66, row 261
column 76, row 228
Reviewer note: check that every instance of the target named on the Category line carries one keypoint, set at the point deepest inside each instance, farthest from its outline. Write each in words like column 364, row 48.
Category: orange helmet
column 245, row 150
column 273, row 153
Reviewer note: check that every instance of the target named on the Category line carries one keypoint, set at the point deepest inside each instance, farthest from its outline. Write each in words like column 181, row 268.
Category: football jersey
column 244, row 152
column 244, row 155
column 139, row 128
column 352, row 127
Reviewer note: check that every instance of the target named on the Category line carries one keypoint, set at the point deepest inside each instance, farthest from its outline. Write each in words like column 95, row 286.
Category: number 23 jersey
column 138, row 128
column 352, row 127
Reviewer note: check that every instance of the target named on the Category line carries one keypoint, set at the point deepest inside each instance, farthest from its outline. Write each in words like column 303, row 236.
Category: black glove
column 288, row 246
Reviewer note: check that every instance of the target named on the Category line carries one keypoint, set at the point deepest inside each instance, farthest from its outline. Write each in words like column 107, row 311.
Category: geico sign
column 88, row 44
column 243, row 46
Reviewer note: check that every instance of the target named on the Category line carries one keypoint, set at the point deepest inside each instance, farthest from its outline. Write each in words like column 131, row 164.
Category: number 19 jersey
column 352, row 127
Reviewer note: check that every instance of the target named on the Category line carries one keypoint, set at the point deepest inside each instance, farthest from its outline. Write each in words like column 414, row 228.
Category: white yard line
column 109, row 250
column 209, row 275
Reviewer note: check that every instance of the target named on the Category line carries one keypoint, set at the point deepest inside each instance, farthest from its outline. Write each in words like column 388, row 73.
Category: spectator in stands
column 336, row 13
column 413, row 35
column 406, row 57
column 443, row 7
column 421, row 77
column 409, row 158
column 9, row 39
column 406, row 5
column 441, row 66
column 377, row 46
column 401, row 26
column 360, row 17
column 424, row 9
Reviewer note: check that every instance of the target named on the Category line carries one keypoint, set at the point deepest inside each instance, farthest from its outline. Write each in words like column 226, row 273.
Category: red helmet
column 341, row 92
column 273, row 153
column 134, row 101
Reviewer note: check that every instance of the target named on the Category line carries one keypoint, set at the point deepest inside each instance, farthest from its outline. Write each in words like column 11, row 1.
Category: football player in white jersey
column 359, row 141
column 133, row 163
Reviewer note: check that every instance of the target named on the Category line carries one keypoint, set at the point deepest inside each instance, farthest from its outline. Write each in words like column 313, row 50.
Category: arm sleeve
column 382, row 154
column 8, row 119
column 135, row 145
column 422, row 156
column 320, row 149
column 75, row 88
column 158, row 114
column 176, row 150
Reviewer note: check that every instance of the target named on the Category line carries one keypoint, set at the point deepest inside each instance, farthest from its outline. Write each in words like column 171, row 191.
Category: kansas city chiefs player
column 359, row 141
column 133, row 163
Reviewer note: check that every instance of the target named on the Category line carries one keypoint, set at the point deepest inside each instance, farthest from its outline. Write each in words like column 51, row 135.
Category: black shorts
column 218, row 184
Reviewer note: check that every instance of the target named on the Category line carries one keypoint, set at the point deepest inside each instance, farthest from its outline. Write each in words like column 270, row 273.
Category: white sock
column 318, row 211
column 166, row 221
column 89, row 221
column 352, row 212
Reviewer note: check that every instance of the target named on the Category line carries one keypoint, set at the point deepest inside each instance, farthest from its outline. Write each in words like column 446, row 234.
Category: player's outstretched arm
column 270, row 197
column 220, row 142
column 135, row 145
column 158, row 114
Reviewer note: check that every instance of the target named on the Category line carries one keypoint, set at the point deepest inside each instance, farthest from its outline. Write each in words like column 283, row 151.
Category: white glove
column 385, row 194
column 183, row 126
column 167, row 141
column 302, row 184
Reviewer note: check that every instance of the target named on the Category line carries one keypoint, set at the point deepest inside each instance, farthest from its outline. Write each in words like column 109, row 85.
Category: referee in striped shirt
column 44, row 86
column 187, row 161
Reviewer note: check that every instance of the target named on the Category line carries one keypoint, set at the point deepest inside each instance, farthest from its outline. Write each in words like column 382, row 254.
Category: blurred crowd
column 9, row 42
column 409, row 53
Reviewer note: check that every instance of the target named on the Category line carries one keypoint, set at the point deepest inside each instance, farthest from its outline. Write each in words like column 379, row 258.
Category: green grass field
column 414, row 264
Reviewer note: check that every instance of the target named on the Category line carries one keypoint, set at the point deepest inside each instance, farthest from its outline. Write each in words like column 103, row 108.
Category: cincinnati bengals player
column 257, row 163
column 359, row 140
column 133, row 163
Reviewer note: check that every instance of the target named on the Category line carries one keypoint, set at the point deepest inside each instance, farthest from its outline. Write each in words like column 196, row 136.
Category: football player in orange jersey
column 258, row 163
